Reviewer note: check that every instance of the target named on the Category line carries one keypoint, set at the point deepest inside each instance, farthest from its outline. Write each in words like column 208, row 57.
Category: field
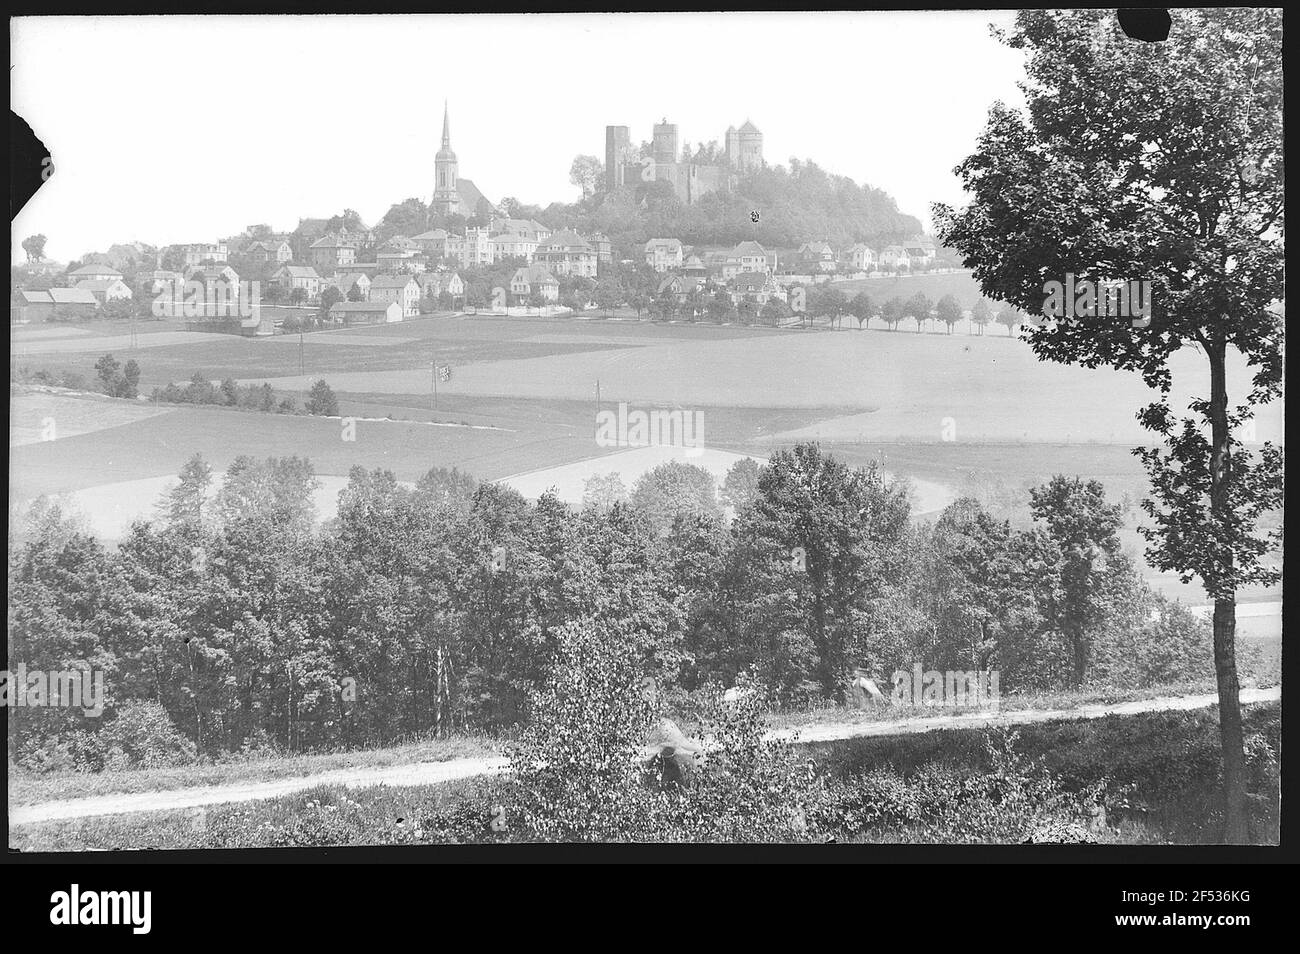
column 48, row 416
column 520, row 404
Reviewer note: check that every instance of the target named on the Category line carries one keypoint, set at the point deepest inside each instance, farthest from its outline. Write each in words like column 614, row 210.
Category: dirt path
column 430, row 773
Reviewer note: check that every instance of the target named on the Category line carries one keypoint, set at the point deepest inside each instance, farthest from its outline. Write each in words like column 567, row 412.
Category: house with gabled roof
column 858, row 258
column 211, row 273
column 920, row 251
column 750, row 257
column 679, row 286
column 402, row 289
column 331, row 252
column 534, row 278
column 663, row 254
column 894, row 258
column 816, row 257
column 346, row 281
column 305, row 277
column 106, row 290
column 568, row 253
column 272, row 251
column 756, row 287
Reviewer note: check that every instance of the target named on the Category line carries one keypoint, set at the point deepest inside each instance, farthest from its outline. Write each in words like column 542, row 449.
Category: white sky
column 185, row 129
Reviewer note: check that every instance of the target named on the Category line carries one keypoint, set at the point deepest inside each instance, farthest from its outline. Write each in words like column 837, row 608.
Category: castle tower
column 446, row 197
column 618, row 143
column 733, row 147
column 665, row 143
column 750, row 147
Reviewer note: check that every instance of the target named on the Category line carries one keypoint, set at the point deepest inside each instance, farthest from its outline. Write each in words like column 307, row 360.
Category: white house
column 402, row 289
column 750, row 257
column 859, row 258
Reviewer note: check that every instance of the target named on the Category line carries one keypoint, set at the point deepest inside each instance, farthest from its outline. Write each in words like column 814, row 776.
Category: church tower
column 446, row 196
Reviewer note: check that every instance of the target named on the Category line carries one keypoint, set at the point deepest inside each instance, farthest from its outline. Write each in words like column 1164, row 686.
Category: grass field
column 48, row 416
column 931, row 407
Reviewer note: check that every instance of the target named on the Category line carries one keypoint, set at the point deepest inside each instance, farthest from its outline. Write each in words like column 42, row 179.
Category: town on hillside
column 463, row 251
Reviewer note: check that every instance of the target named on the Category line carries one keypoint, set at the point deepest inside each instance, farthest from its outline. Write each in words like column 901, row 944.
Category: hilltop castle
column 690, row 180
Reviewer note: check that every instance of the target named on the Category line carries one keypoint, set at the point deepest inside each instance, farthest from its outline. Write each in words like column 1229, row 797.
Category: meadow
column 934, row 408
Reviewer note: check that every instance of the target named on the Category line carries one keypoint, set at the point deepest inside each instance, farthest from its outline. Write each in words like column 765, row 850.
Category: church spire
column 445, row 154
column 446, row 197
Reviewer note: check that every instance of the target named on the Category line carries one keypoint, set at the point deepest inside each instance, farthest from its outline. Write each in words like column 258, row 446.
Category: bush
column 146, row 737
column 140, row 735
column 1006, row 803
column 322, row 401
column 580, row 774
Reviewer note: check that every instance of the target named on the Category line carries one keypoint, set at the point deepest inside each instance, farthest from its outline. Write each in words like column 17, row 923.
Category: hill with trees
column 794, row 205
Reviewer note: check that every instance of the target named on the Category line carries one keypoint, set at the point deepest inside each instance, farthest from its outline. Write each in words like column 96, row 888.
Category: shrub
column 139, row 735
column 580, row 776
column 145, row 737
column 322, row 401
column 1004, row 803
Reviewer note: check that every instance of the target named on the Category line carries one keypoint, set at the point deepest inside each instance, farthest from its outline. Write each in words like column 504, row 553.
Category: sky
column 185, row 129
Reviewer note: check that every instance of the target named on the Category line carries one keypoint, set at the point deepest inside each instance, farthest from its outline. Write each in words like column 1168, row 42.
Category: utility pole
column 434, row 368
column 302, row 365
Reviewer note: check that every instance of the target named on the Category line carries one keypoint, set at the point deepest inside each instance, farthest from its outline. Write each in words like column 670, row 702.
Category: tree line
column 440, row 607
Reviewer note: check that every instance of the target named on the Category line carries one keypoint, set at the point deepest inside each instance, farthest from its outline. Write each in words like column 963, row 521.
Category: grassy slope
column 1168, row 758
column 26, row 788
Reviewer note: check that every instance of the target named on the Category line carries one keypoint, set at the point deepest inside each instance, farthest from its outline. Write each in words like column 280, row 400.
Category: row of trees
column 441, row 605
column 827, row 301
column 320, row 400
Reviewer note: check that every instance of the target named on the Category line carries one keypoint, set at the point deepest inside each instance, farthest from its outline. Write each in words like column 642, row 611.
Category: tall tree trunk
column 1235, row 828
